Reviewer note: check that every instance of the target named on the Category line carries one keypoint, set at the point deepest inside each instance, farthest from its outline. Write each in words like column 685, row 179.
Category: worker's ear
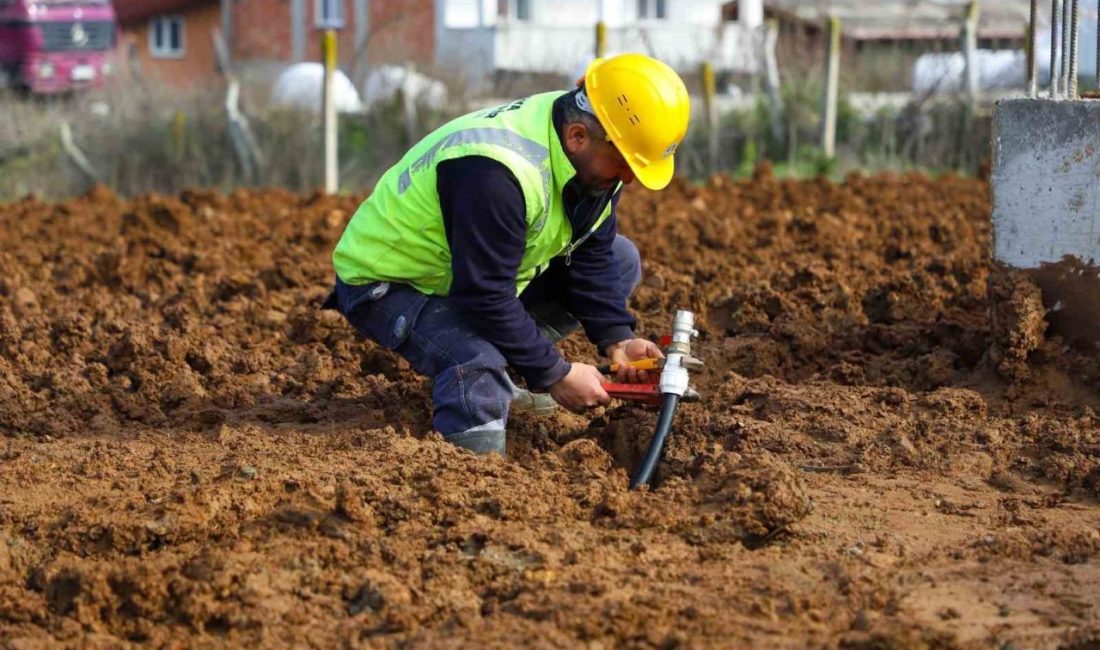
column 577, row 137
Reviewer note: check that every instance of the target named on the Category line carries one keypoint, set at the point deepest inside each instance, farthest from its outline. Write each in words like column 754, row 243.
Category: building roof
column 129, row 11
column 909, row 19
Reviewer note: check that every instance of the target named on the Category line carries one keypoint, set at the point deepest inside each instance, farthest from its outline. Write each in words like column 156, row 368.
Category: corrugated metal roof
column 129, row 11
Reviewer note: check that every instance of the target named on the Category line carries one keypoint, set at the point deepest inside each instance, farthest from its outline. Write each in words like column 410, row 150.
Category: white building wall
column 695, row 12
column 560, row 35
column 562, row 13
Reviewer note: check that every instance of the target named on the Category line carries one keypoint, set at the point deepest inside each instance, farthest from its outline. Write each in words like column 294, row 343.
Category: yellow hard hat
column 644, row 107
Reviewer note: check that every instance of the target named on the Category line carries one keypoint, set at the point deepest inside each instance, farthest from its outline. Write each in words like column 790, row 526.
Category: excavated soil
column 193, row 455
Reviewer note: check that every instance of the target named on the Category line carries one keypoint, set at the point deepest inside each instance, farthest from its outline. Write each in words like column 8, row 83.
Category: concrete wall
column 1046, row 205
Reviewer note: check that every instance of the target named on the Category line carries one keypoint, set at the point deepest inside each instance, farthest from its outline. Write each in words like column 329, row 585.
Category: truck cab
column 52, row 46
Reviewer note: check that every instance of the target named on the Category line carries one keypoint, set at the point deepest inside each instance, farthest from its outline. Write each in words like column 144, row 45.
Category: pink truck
column 50, row 46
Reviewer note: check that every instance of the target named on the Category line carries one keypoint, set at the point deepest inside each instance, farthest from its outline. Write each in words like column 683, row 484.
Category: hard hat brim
column 656, row 176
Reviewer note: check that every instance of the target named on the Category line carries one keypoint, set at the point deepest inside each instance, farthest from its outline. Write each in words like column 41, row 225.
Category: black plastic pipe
column 656, row 446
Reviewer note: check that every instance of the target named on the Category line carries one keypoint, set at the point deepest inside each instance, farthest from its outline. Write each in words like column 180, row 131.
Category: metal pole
column 328, row 49
column 360, row 59
column 1032, row 59
column 1064, row 83
column 601, row 39
column 1075, row 23
column 832, row 83
column 1055, row 40
column 227, row 24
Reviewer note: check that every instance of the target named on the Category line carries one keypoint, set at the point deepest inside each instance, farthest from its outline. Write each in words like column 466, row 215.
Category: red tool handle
column 649, row 393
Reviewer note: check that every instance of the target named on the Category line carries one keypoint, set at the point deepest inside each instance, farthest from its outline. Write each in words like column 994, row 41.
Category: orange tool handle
column 652, row 363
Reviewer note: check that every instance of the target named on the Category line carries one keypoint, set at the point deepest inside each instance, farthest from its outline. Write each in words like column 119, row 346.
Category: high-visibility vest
column 397, row 234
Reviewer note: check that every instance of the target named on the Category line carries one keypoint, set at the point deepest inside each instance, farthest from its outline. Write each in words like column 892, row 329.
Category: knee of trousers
column 472, row 396
column 630, row 262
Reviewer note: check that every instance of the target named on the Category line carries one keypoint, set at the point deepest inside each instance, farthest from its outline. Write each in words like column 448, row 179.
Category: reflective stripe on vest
column 532, row 152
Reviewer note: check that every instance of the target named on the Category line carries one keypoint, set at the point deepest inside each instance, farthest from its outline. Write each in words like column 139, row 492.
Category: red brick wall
column 402, row 30
column 197, row 64
column 399, row 31
column 262, row 30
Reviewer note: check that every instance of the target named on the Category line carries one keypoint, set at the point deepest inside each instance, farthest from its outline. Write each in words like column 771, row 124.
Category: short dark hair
column 574, row 113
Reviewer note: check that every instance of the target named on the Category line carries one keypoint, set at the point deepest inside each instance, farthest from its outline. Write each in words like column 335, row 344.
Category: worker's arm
column 485, row 220
column 594, row 292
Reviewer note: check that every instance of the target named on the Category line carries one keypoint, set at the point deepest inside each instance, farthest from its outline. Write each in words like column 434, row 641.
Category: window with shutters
column 329, row 14
column 652, row 9
column 166, row 37
column 514, row 9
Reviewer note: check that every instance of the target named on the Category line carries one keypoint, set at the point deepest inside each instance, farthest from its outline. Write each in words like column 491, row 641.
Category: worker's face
column 599, row 164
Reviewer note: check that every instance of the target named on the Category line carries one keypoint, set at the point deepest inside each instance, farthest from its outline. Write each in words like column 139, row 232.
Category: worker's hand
column 632, row 350
column 581, row 389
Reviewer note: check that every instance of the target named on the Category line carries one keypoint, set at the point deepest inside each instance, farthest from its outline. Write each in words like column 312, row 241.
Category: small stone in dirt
column 6, row 561
column 335, row 218
column 246, row 473
column 24, row 301
column 369, row 597
column 350, row 504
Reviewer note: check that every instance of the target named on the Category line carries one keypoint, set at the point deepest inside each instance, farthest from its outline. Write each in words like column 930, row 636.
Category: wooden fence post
column 249, row 156
column 179, row 134
column 328, row 111
column 75, row 154
column 771, row 79
column 832, row 83
column 711, row 110
column 970, row 53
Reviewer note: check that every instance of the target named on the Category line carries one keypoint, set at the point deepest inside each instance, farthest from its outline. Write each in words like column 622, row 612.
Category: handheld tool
column 691, row 363
column 667, row 391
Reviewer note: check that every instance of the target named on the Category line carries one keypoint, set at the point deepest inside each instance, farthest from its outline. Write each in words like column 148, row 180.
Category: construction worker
column 496, row 233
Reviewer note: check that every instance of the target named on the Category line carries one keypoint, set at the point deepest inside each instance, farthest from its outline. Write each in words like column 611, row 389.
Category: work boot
column 479, row 441
column 539, row 404
column 524, row 401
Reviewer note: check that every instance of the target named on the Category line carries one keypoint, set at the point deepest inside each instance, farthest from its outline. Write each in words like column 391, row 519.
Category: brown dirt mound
column 885, row 456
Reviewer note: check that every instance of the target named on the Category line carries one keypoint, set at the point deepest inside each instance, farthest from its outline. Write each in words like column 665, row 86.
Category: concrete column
column 297, row 30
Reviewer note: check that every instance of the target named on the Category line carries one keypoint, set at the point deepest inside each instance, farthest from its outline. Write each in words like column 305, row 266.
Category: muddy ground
column 194, row 456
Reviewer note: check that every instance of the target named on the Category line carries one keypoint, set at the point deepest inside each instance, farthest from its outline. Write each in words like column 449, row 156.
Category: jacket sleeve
column 484, row 216
column 595, row 293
